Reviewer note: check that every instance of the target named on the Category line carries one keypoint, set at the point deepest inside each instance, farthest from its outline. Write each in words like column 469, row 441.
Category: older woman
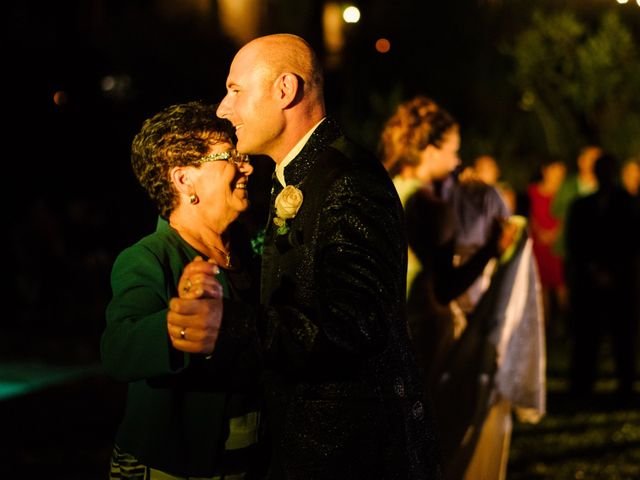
column 192, row 407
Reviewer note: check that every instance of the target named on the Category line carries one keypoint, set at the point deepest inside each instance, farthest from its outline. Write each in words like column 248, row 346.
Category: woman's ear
column 182, row 181
column 288, row 89
column 429, row 152
column 432, row 154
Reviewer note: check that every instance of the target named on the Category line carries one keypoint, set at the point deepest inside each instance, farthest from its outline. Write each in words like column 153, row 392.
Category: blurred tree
column 581, row 83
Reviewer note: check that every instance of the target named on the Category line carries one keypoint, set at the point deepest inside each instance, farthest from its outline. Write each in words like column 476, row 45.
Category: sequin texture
column 344, row 395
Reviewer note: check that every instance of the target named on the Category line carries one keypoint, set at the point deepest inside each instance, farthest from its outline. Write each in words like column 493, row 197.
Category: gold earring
column 193, row 199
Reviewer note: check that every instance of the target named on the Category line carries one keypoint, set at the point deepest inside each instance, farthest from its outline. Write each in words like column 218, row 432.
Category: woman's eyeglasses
column 232, row 156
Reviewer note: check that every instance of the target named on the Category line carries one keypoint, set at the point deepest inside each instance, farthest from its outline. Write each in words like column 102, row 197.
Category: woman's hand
column 194, row 318
column 503, row 235
column 508, row 235
column 198, row 280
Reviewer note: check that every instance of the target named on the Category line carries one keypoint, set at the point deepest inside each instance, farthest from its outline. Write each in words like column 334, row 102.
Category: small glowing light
column 116, row 86
column 108, row 83
column 622, row 1
column 351, row 14
column 527, row 101
column 60, row 98
column 383, row 45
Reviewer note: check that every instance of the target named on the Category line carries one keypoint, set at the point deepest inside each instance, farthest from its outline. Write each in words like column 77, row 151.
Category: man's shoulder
column 345, row 162
column 351, row 158
column 351, row 149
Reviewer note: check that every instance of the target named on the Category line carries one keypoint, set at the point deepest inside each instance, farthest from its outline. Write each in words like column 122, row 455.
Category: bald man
column 343, row 394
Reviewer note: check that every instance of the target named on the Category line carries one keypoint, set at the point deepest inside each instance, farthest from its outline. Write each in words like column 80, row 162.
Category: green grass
column 594, row 438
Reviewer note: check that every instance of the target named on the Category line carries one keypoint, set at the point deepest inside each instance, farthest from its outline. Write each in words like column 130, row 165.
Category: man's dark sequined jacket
column 344, row 397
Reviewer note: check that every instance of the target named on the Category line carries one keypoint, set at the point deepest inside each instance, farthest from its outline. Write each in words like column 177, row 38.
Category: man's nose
column 223, row 109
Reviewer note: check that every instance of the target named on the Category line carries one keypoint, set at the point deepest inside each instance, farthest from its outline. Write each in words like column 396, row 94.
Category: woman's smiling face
column 221, row 183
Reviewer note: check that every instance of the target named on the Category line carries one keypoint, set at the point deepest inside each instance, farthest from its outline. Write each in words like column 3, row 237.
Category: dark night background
column 71, row 202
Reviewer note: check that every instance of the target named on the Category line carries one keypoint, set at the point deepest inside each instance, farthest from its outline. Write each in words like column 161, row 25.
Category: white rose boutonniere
column 287, row 204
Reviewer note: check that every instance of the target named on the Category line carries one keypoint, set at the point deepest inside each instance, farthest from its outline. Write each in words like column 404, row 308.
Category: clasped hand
column 504, row 234
column 194, row 317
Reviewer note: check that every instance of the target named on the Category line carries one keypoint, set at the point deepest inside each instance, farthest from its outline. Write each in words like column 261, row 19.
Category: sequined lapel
column 321, row 138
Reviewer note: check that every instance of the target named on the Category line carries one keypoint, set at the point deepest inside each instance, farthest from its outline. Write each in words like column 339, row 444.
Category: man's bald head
column 274, row 94
column 287, row 53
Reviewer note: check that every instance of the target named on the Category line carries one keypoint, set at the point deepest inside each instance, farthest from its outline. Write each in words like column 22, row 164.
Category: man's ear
column 289, row 89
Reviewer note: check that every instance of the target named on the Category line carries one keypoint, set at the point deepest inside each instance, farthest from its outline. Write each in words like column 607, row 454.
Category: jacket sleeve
column 135, row 343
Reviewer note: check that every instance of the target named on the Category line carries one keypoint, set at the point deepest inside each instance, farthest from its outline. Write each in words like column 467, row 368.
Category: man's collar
column 293, row 153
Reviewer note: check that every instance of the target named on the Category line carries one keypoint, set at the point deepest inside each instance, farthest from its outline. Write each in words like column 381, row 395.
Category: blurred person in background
column 602, row 271
column 545, row 229
column 577, row 184
column 487, row 170
column 419, row 145
column 630, row 176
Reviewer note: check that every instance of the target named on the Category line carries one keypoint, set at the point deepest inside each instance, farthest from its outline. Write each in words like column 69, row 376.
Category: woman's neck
column 212, row 242
column 410, row 172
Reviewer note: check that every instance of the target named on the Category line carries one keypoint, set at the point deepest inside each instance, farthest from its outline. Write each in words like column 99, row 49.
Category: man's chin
column 240, row 145
column 244, row 146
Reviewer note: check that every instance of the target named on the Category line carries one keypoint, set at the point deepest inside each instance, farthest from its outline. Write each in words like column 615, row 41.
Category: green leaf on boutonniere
column 283, row 229
column 282, row 225
column 257, row 242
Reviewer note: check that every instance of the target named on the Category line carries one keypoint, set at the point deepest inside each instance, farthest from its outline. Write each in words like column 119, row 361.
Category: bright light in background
column 240, row 19
column 383, row 45
column 351, row 14
column 622, row 1
column 527, row 101
column 333, row 28
column 116, row 86
column 108, row 83
column 60, row 98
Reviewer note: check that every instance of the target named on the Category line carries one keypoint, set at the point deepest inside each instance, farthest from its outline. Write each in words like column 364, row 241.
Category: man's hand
column 194, row 318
